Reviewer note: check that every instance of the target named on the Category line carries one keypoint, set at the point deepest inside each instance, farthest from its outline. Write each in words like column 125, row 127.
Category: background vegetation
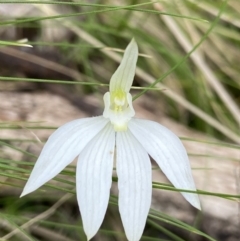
column 189, row 63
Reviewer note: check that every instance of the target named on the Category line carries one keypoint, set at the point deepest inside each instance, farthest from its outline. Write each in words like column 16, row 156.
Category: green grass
column 189, row 64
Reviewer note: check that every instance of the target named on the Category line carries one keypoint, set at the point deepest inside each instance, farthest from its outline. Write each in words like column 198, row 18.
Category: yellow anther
column 118, row 108
column 118, row 100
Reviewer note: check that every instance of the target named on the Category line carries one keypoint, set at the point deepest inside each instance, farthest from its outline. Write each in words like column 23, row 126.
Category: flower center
column 118, row 100
column 118, row 108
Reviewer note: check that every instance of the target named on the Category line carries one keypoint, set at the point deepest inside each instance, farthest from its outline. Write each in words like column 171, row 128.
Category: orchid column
column 95, row 140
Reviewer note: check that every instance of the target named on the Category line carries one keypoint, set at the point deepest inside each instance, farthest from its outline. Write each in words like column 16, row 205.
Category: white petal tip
column 133, row 40
column 197, row 205
column 23, row 194
column 26, row 191
column 89, row 236
column 193, row 199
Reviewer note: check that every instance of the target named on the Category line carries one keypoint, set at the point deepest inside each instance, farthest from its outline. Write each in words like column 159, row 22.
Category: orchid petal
column 94, row 178
column 134, row 184
column 61, row 149
column 123, row 77
column 169, row 153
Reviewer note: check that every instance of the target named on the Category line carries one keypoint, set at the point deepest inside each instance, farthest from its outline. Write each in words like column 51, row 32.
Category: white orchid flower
column 95, row 140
